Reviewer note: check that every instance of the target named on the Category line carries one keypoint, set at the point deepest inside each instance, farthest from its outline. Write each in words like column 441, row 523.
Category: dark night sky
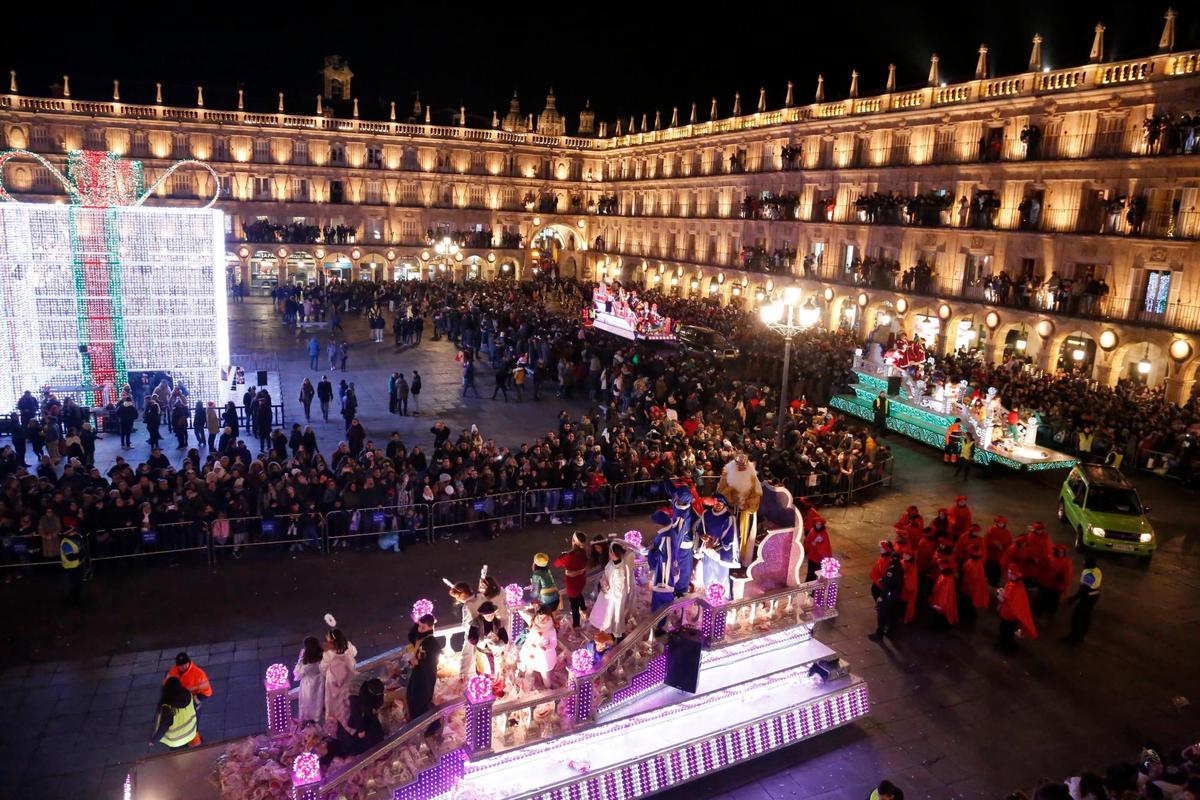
column 626, row 61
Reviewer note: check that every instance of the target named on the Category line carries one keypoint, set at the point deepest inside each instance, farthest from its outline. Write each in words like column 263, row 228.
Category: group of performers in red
column 620, row 302
column 905, row 352
column 951, row 566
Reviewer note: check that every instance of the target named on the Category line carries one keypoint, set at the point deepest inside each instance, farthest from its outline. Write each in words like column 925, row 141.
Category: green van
column 1102, row 507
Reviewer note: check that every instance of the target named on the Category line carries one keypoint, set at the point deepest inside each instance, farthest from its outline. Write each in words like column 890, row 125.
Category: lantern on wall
column 1108, row 339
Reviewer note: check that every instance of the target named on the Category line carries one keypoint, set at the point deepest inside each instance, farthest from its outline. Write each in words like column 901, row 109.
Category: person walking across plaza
column 468, row 376
column 307, row 392
column 175, row 723
column 1084, row 599
column 126, row 416
column 325, row 395
column 501, row 383
column 194, row 680
column 332, row 351
column 314, row 353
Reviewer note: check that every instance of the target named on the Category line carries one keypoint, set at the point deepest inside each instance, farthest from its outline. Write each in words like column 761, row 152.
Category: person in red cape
column 959, row 517
column 1015, row 613
column 944, row 599
column 974, row 535
column 817, row 546
column 998, row 538
column 879, row 568
column 973, row 584
column 911, row 520
column 1042, row 545
column 911, row 584
column 1055, row 580
column 902, row 543
column 925, row 548
column 1035, row 553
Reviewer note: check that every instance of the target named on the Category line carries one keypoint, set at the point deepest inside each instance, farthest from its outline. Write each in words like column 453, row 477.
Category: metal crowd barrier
column 394, row 527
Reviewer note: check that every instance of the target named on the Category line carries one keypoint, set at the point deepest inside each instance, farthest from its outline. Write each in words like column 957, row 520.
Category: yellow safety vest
column 1092, row 578
column 183, row 726
column 69, row 547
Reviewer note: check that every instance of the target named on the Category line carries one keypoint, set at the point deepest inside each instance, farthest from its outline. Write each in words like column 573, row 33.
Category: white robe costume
column 614, row 601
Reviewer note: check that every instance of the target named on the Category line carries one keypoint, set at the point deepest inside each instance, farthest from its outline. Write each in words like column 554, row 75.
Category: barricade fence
column 395, row 527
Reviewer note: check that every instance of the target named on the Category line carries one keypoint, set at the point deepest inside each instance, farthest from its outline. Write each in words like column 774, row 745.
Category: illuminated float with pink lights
column 726, row 672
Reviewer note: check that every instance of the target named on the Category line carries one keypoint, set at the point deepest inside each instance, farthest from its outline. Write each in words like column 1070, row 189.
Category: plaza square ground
column 951, row 717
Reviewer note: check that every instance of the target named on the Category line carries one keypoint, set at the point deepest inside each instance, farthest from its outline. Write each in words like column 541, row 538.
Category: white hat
column 449, row 489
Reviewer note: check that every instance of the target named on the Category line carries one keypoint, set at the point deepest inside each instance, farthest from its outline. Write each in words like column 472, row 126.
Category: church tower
column 337, row 76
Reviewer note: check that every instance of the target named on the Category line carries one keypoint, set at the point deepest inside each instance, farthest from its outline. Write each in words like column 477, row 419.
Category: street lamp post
column 787, row 318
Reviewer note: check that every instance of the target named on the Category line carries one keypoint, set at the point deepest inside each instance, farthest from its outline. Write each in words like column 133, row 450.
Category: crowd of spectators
column 654, row 412
column 1129, row 420
column 1156, row 775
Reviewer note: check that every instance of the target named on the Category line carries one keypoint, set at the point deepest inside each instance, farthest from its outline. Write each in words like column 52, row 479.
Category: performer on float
column 574, row 563
column 740, row 485
column 612, row 605
column 670, row 556
column 817, row 546
column 489, row 639
column 539, row 653
column 718, row 545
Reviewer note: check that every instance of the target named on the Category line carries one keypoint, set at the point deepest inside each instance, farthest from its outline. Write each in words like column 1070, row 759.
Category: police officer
column 1085, row 599
column 889, row 606
column 70, row 553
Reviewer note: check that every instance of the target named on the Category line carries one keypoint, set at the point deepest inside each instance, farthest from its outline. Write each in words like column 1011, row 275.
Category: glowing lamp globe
column 581, row 662
column 421, row 608
column 715, row 594
column 514, row 594
column 479, row 689
column 633, row 538
column 830, row 568
column 306, row 769
column 277, row 678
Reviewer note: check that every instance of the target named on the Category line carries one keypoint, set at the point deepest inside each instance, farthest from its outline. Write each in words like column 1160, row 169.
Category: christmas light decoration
column 633, row 539
column 581, row 662
column 716, row 594
column 830, row 568
column 421, row 608
column 306, row 769
column 277, row 677
column 514, row 595
column 106, row 291
column 479, row 689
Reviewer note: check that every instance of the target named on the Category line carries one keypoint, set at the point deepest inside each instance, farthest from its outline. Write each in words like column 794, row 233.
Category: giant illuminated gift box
column 96, row 289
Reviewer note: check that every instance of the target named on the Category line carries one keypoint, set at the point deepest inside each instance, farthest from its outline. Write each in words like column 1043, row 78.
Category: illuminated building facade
column 897, row 211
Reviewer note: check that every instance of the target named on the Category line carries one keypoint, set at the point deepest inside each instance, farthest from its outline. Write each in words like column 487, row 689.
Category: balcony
column 930, row 285
column 1009, row 149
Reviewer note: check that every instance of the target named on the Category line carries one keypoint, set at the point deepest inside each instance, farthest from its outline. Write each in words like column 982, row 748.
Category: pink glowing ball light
column 830, row 568
column 716, row 594
column 581, row 661
column 479, row 689
column 421, row 608
column 277, row 677
column 514, row 594
column 306, row 769
column 633, row 538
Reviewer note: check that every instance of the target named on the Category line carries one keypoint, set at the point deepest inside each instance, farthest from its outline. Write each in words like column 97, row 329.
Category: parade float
column 702, row 682
column 926, row 406
column 621, row 312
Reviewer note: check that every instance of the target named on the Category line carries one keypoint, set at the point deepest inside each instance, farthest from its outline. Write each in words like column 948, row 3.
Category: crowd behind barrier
column 395, row 528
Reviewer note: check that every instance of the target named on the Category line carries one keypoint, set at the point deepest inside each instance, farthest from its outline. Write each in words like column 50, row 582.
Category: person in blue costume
column 671, row 556
column 716, row 543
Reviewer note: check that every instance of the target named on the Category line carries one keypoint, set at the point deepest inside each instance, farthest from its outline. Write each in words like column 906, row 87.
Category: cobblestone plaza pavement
column 950, row 717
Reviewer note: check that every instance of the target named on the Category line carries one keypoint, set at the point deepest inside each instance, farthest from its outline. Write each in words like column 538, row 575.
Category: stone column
column 1178, row 390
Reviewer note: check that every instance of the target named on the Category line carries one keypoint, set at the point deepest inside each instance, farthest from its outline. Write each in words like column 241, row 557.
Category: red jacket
column 960, row 519
column 575, row 562
column 817, row 546
column 1015, row 607
column 998, row 539
column 195, row 680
